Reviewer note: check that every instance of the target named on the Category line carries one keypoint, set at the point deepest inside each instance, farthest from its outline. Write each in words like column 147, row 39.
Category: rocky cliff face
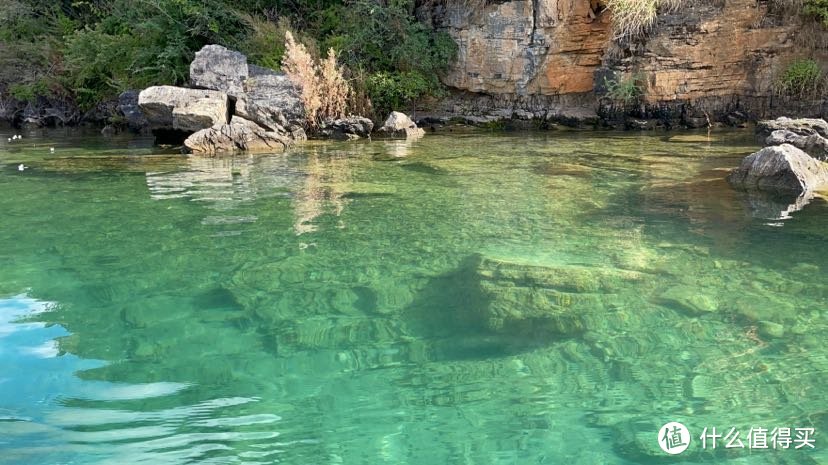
column 538, row 57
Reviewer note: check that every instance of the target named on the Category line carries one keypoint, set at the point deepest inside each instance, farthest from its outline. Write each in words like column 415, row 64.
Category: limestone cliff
column 542, row 58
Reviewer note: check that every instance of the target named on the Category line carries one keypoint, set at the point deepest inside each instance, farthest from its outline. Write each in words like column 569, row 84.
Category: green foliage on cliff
column 89, row 51
column 802, row 78
column 400, row 56
column 817, row 9
column 397, row 90
column 623, row 90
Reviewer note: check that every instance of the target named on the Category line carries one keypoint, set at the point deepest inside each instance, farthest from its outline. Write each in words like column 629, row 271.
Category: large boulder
column 240, row 134
column 181, row 109
column 271, row 100
column 814, row 144
column 801, row 126
column 782, row 169
column 218, row 68
column 399, row 126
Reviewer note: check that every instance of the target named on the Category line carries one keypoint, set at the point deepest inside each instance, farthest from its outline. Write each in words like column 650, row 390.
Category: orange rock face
column 727, row 52
column 554, row 47
column 526, row 46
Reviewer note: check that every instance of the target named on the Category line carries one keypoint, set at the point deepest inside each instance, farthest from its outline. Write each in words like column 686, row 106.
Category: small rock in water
column 690, row 300
column 771, row 329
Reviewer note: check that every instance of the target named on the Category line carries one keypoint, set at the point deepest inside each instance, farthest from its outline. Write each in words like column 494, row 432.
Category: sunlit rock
column 177, row 108
column 239, row 135
column 218, row 68
column 783, row 168
column 399, row 126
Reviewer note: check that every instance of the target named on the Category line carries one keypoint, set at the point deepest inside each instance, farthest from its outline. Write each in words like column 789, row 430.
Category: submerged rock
column 690, row 300
column 240, row 134
column 399, row 126
column 181, row 109
column 781, row 169
column 566, row 299
column 771, row 329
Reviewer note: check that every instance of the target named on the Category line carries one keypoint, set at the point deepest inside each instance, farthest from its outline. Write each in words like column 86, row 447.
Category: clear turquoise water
column 510, row 298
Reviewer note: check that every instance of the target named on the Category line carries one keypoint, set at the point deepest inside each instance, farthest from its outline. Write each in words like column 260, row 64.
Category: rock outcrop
column 709, row 61
column 219, row 68
column 542, row 47
column 181, row 109
column 782, row 169
column 271, row 100
column 399, row 126
column 236, row 107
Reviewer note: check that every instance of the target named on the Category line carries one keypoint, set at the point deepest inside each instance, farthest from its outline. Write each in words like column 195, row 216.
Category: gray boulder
column 239, row 135
column 271, row 100
column 348, row 128
column 800, row 126
column 181, row 109
column 782, row 169
column 814, row 144
column 218, row 68
column 399, row 126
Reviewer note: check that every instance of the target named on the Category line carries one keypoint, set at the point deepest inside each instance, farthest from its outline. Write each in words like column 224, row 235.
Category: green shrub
column 394, row 58
column 802, row 78
column 264, row 44
column 29, row 92
column 624, row 90
column 817, row 9
column 90, row 50
column 397, row 90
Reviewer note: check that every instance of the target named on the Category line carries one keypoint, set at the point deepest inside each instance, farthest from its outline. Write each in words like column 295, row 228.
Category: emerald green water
column 462, row 299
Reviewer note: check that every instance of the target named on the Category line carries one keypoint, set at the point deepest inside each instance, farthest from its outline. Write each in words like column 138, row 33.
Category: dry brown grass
column 632, row 18
column 334, row 89
column 324, row 90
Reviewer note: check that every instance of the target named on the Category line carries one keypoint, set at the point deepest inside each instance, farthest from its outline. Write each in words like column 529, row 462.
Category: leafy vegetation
column 802, row 78
column 89, row 51
column 623, row 90
column 817, row 9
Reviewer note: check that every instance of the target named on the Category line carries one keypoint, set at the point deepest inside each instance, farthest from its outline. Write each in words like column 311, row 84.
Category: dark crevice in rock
column 170, row 136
